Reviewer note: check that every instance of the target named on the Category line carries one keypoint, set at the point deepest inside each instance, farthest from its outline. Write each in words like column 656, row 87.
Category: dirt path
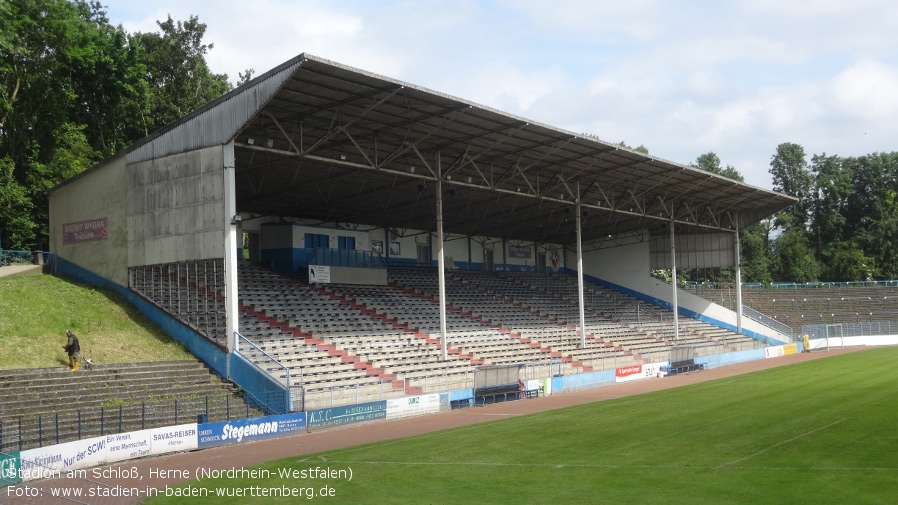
column 236, row 456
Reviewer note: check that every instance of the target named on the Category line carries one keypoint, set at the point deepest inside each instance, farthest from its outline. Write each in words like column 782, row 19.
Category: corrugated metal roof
column 217, row 122
column 318, row 140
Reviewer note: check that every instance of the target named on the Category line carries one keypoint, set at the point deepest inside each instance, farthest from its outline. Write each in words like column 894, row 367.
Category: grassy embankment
column 35, row 311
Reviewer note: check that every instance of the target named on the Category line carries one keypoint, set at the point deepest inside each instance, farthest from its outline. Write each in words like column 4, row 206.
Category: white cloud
column 867, row 90
column 682, row 78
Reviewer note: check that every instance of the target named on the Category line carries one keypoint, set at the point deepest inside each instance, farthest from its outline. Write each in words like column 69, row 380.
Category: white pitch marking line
column 784, row 442
column 610, row 467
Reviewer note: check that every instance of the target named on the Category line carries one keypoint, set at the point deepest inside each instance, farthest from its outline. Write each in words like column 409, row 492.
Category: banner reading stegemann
column 337, row 416
column 247, row 430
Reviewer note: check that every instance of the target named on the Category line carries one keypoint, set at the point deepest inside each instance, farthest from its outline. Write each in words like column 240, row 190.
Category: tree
column 641, row 149
column 792, row 177
column 74, row 89
column 794, row 260
column 872, row 209
column 710, row 162
column 108, row 76
column 37, row 95
column 754, row 252
column 72, row 156
column 15, row 210
column 829, row 230
column 848, row 263
column 244, row 77
column 176, row 70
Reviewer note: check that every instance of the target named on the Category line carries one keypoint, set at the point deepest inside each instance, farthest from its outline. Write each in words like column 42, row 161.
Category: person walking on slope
column 73, row 349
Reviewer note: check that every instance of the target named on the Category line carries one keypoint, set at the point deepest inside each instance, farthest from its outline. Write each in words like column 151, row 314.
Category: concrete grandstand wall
column 176, row 208
column 96, row 195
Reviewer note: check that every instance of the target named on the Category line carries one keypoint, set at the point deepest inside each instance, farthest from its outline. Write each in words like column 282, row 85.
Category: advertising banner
column 85, row 231
column 544, row 386
column 247, row 430
column 780, row 350
column 520, row 252
column 55, row 460
column 637, row 372
column 319, row 274
column 173, row 439
column 9, row 469
column 413, row 406
column 347, row 414
column 122, row 446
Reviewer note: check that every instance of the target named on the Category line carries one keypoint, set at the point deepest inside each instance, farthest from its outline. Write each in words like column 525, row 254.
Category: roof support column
column 580, row 273
column 232, row 233
column 738, row 285
column 673, row 277
column 441, row 258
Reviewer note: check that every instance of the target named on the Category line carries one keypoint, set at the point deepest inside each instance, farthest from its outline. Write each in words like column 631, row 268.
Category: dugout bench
column 683, row 366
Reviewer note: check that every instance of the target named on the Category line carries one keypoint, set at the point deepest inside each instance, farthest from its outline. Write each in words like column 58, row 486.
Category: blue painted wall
column 264, row 391
column 571, row 382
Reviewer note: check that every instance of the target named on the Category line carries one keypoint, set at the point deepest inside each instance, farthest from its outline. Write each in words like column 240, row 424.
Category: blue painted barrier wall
column 571, row 382
column 731, row 358
column 264, row 391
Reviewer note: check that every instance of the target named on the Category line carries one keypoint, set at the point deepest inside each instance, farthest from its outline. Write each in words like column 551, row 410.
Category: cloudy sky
column 681, row 78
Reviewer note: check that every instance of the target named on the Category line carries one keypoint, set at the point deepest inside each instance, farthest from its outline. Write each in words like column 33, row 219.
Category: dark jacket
column 72, row 346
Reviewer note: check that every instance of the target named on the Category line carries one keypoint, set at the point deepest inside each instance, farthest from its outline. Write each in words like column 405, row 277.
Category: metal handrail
column 768, row 321
column 272, row 358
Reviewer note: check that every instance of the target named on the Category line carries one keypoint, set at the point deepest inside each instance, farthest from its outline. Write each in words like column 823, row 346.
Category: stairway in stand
column 46, row 406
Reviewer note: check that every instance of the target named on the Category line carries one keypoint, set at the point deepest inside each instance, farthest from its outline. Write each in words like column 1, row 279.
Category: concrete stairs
column 45, row 406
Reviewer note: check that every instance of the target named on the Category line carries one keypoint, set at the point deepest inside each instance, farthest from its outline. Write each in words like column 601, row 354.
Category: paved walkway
column 6, row 271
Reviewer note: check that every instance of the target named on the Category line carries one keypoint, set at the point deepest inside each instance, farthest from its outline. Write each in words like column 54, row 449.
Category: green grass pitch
column 819, row 432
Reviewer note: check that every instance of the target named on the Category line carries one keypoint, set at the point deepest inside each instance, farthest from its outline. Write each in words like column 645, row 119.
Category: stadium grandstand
column 326, row 236
column 863, row 308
